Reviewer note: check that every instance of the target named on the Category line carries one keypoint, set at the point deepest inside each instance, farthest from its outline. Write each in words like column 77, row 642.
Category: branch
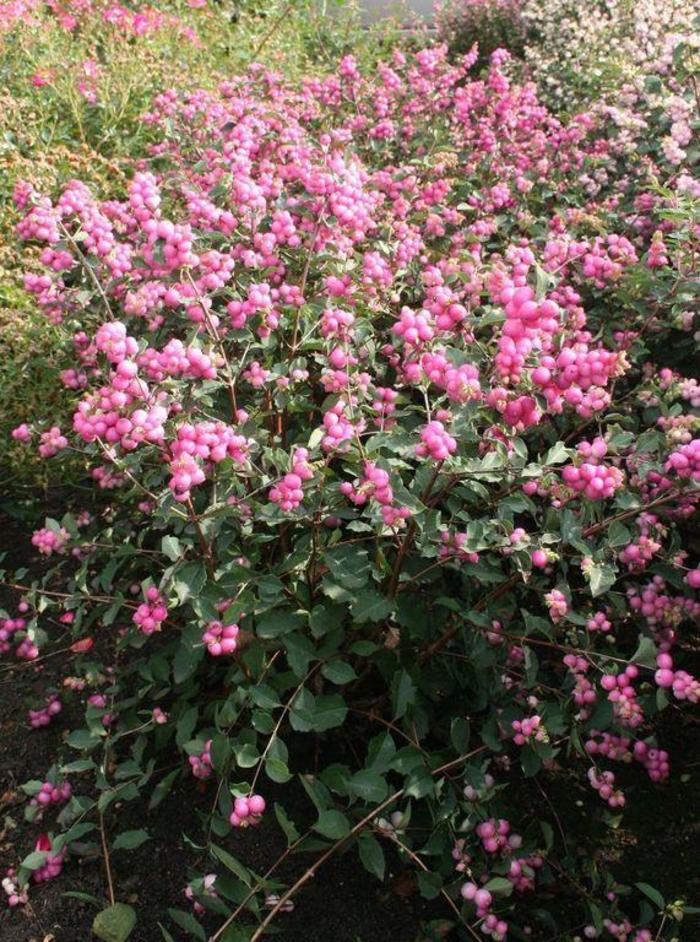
column 311, row 872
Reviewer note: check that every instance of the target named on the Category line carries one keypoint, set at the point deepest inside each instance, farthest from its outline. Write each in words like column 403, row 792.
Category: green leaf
column 276, row 623
column 325, row 618
column 531, row 666
column 338, row 672
column 380, row 752
column 82, row 739
column 404, row 693
column 220, row 751
column 330, row 712
column 232, row 864
column 650, row 441
column 264, row 697
column 596, row 916
column 332, row 824
column 544, row 282
column 601, row 577
column 189, row 580
column 301, row 711
column 300, row 653
column 185, row 726
column 348, row 565
column 419, row 783
column 371, row 854
column 548, row 832
column 533, row 623
column 36, row 859
column 645, row 653
column 618, row 534
column 316, row 438
column 130, row 840
column 363, row 648
column 529, row 760
column 74, row 833
column 79, row 765
column 368, row 786
column 187, row 658
column 170, row 545
column 429, row 884
column 247, row 755
column 571, row 532
column 317, row 792
column 287, row 825
column 162, row 789
column 114, row 924
column 237, row 934
column 459, row 733
column 662, row 700
column 499, row 886
column 277, row 770
column 652, row 894
column 557, row 454
column 370, row 606
column 187, row 922
column 317, row 713
column 32, row 787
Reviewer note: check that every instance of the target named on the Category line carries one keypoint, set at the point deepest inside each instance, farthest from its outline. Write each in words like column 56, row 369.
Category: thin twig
column 419, row 863
column 86, row 265
column 273, row 734
column 105, row 854
column 408, row 538
column 205, row 547
column 216, row 336
column 272, row 30
column 556, row 816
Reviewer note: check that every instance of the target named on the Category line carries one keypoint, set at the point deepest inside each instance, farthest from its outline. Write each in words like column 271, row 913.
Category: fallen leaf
column 404, row 884
column 80, row 647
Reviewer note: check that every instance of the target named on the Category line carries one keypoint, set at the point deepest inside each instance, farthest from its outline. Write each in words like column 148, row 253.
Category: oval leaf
column 114, row 924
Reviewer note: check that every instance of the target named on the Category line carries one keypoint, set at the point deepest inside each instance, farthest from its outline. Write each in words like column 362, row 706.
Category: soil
column 656, row 843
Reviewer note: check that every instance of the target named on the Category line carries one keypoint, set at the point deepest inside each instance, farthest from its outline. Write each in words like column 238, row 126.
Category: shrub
column 367, row 368
column 578, row 52
column 77, row 76
column 491, row 24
